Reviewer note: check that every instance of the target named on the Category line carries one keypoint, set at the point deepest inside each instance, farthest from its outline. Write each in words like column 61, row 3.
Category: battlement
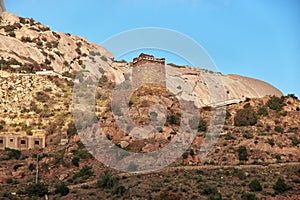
column 146, row 59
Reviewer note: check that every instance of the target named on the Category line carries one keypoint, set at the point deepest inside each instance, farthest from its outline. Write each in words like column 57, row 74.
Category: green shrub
column 248, row 196
column 279, row 129
column 38, row 190
column 245, row 117
column 275, row 103
column 62, row 189
column 120, row 190
column 185, row 155
column 107, row 180
column 242, row 153
column 13, row 154
column 197, row 124
column 9, row 181
column 255, row 186
column 208, row 189
column 248, row 135
column 192, row 152
column 12, row 34
column 262, row 111
column 31, row 167
column 75, row 161
column 153, row 116
column 295, row 141
column 84, row 174
column 22, row 20
column 71, row 129
column 280, row 186
column 228, row 115
column 17, row 166
column 271, row 142
column 229, row 136
column 292, row 96
column 174, row 119
column 215, row 197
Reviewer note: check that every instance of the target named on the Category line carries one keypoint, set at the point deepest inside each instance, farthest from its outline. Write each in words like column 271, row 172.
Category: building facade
column 21, row 142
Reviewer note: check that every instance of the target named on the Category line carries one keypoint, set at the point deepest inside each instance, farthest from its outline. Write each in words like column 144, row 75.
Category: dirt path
column 187, row 168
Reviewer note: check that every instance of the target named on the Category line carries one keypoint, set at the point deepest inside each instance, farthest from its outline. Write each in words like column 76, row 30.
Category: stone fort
column 147, row 59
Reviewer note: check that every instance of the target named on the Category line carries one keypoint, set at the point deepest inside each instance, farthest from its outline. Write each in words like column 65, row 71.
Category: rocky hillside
column 259, row 140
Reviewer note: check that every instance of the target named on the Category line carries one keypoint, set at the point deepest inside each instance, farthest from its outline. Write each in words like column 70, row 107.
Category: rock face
column 27, row 46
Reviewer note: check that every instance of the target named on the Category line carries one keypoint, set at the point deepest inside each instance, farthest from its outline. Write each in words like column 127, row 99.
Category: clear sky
column 255, row 38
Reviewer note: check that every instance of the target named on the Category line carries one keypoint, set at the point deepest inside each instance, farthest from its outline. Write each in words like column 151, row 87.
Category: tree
column 255, row 186
column 62, row 189
column 242, row 153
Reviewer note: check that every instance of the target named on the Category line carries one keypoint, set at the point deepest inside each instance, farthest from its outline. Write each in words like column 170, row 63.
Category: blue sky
column 257, row 38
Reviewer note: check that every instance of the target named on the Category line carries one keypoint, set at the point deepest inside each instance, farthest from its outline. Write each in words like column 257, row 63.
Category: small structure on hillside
column 145, row 59
column 22, row 142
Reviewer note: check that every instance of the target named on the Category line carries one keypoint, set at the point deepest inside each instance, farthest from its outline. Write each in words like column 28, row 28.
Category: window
column 1, row 141
column 36, row 142
column 23, row 142
column 11, row 140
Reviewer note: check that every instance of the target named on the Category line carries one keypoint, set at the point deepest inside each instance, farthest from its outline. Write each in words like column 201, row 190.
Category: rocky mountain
column 28, row 46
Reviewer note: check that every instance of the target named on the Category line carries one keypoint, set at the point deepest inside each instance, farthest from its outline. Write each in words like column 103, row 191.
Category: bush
column 31, row 167
column 13, row 154
column 174, row 119
column 42, row 97
column 262, row 111
column 107, row 180
column 62, row 189
column 242, row 153
column 248, row 135
column 245, row 117
column 275, row 103
column 248, row 196
column 75, row 161
column 120, row 190
column 271, row 142
column 278, row 129
column 209, row 190
column 255, row 186
column 16, row 167
column 192, row 152
column 292, row 96
column 280, row 186
column 84, row 174
column 38, row 190
column 197, row 124
column 22, row 20
column 71, row 129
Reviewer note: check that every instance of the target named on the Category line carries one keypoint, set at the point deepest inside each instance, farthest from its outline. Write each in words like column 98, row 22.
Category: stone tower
column 2, row 7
